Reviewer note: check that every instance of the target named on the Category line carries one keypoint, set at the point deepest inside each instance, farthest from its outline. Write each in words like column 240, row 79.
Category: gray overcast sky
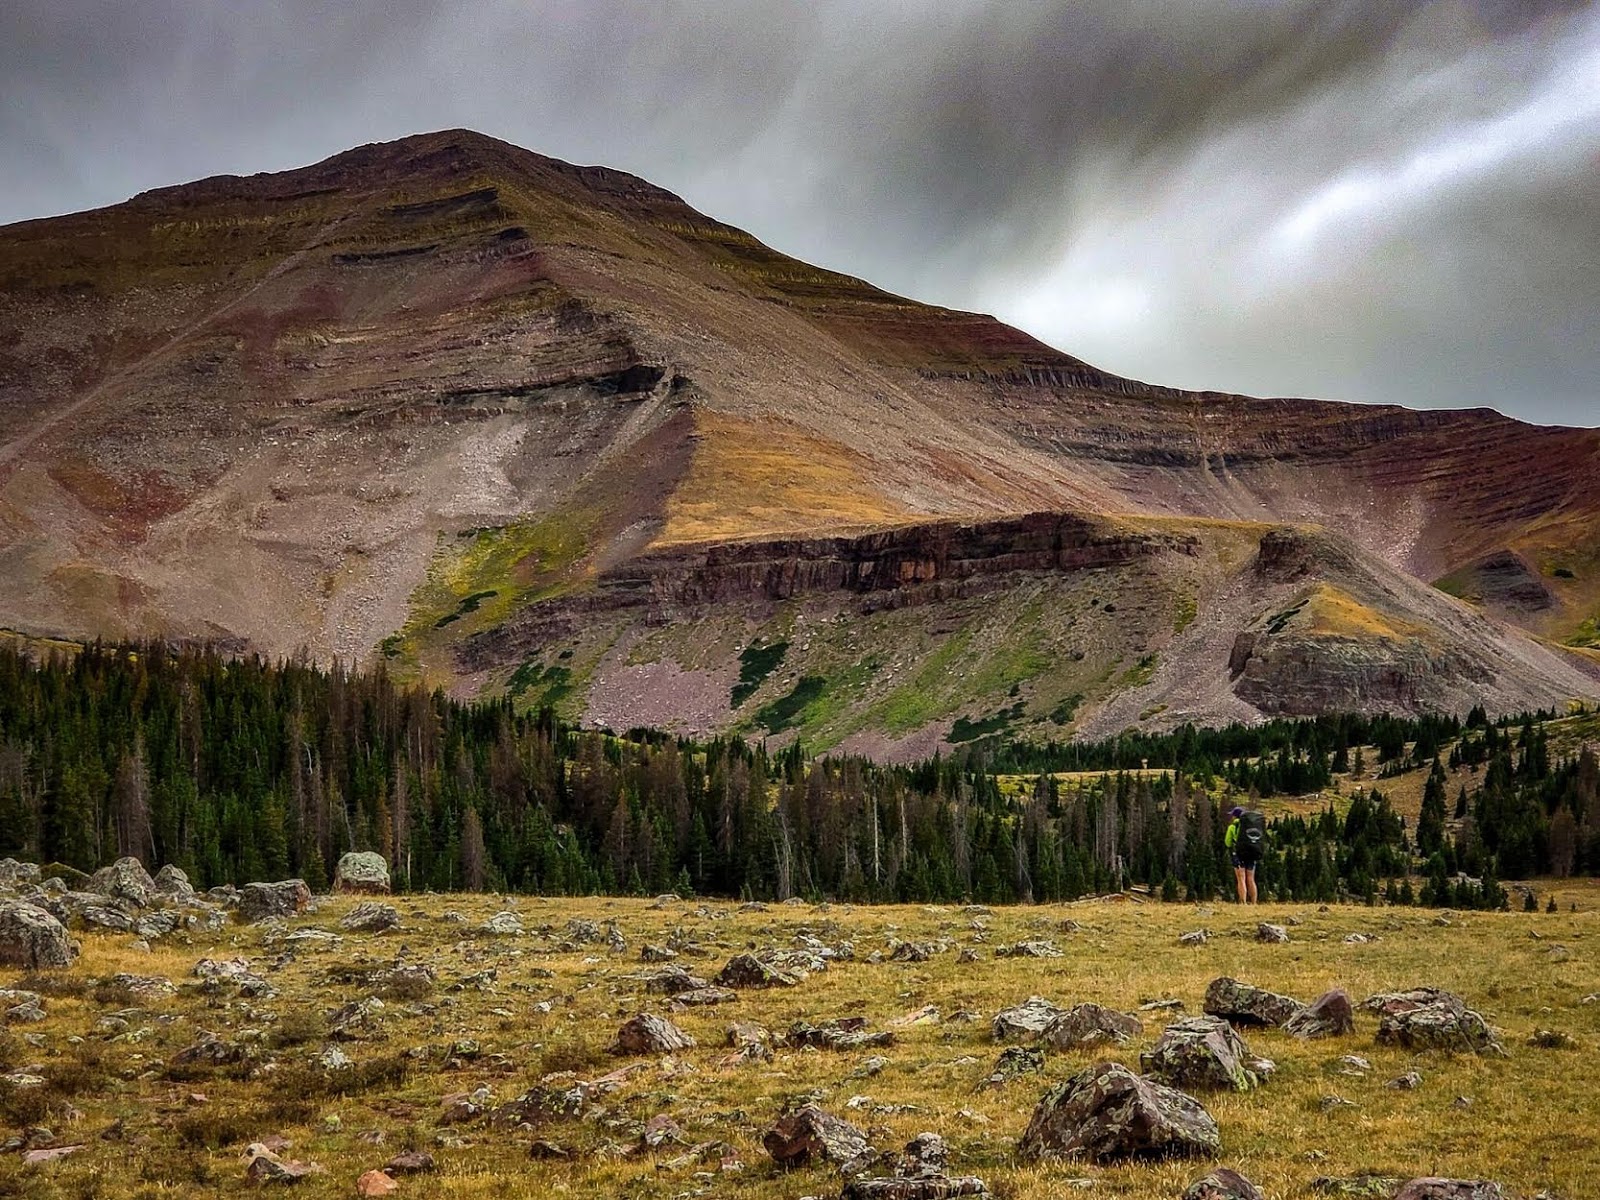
column 1374, row 200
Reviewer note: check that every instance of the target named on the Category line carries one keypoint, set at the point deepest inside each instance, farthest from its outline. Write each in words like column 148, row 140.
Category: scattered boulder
column 376, row 1183
column 1086, row 1025
column 702, row 996
column 1201, row 1052
column 1242, row 1004
column 1330, row 1015
column 652, row 953
column 809, row 1135
column 209, row 1051
column 264, row 1166
column 1195, row 937
column 912, row 952
column 259, row 901
column 14, row 873
column 1450, row 1189
column 1025, row 1022
column 1030, row 949
column 748, row 971
column 1431, row 1019
column 846, row 1033
column 173, row 883
column 362, row 872
column 1409, row 1082
column 1222, row 1184
column 126, row 879
column 502, row 924
column 1274, row 934
column 370, row 916
column 670, row 981
column 1015, row 1062
column 921, row 1174
column 650, row 1034
column 1107, row 1113
column 1552, row 1039
column 31, row 938
column 412, row 1162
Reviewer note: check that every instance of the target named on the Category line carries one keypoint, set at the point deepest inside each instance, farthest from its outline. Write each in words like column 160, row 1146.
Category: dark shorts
column 1239, row 862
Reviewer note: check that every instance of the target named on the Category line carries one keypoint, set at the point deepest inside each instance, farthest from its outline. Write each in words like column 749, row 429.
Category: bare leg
column 1250, row 879
column 1238, row 879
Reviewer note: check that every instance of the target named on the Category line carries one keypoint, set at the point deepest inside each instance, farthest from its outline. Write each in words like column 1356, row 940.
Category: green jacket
column 1231, row 838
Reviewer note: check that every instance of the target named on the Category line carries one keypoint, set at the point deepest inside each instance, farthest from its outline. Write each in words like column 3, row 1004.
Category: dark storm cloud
column 1364, row 199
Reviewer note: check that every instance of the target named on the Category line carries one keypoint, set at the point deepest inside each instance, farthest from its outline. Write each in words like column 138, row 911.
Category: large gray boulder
column 1107, row 1113
column 259, row 901
column 14, row 873
column 126, row 879
column 31, row 938
column 1245, row 1004
column 363, row 872
column 1202, row 1052
column 172, row 881
column 1025, row 1022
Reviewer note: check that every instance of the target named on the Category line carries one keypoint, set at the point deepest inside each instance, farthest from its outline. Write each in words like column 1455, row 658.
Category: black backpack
column 1252, row 836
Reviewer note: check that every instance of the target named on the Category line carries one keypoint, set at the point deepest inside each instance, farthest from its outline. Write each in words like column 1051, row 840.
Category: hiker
column 1245, row 839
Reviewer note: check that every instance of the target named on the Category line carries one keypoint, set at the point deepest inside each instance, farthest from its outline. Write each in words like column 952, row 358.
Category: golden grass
column 750, row 478
column 1331, row 611
column 1531, row 1122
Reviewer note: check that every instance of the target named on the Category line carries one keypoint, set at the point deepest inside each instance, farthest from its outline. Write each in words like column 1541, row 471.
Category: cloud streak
column 1382, row 200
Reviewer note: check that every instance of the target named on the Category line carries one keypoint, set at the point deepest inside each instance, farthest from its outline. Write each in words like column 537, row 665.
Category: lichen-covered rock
column 1431, row 1019
column 748, row 971
column 670, row 981
column 1274, row 934
column 846, row 1033
column 1025, row 1022
column 32, row 938
column 1015, row 1062
column 650, row 1034
column 370, row 916
column 1329, row 1015
column 173, row 883
column 1086, row 1025
column 1450, row 1189
column 1107, row 1113
column 362, row 872
column 1029, row 949
column 809, row 1135
column 502, row 924
column 1244, row 1004
column 14, row 873
column 1201, row 1052
column 259, row 901
column 1222, row 1184
column 126, row 879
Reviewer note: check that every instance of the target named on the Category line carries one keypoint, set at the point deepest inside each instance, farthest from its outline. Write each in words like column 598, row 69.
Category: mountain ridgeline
column 237, row 769
column 522, row 428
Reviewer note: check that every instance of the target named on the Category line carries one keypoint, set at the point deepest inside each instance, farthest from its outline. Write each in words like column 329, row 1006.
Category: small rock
column 412, row 1162
column 1222, row 1184
column 1450, row 1189
column 376, row 1183
column 371, row 917
column 1026, row 1021
column 1274, row 934
column 1244, row 1004
column 811, row 1135
column 1409, row 1082
column 1087, row 1025
column 1329, row 1015
column 650, row 1034
column 748, row 971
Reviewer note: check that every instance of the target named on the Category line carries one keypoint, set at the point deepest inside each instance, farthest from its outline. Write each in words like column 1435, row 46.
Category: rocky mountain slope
column 513, row 423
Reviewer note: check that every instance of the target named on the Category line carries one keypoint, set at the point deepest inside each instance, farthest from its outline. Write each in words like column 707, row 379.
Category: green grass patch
column 1279, row 620
column 1139, row 674
column 788, row 711
column 756, row 662
column 1188, row 608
